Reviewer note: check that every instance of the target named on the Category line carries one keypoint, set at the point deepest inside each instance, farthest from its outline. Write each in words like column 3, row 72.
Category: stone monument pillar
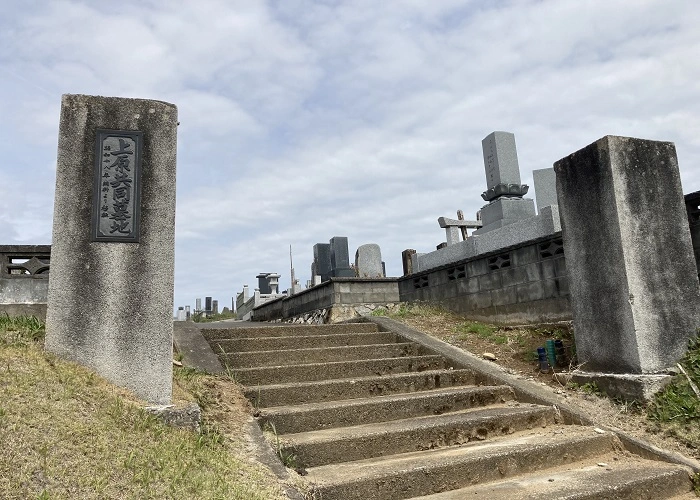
column 504, row 192
column 110, row 302
column 634, row 289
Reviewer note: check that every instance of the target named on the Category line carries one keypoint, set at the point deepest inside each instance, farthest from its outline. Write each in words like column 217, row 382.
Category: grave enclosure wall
column 24, row 279
column 336, row 292
column 527, row 283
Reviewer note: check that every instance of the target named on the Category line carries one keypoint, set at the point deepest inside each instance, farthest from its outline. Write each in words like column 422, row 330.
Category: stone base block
column 505, row 211
column 626, row 386
column 186, row 417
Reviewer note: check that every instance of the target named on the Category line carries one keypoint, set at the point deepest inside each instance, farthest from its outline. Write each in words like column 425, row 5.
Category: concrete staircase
column 368, row 414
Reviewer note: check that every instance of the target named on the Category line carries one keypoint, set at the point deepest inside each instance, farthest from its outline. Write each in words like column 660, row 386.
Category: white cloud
column 302, row 120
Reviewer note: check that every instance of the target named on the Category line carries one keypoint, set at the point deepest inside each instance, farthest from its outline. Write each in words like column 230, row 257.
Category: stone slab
column 634, row 290
column 194, row 349
column 628, row 387
column 500, row 159
column 368, row 261
column 545, row 180
column 110, row 304
column 505, row 211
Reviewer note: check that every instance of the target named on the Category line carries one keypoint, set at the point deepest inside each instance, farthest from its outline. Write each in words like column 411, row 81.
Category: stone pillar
column 110, row 300
column 407, row 261
column 634, row 289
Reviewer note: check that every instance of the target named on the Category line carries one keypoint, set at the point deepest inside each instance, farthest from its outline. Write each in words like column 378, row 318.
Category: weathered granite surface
column 110, row 305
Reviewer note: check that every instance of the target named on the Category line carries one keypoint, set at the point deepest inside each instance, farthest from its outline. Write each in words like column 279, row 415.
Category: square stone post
column 634, row 289
column 110, row 301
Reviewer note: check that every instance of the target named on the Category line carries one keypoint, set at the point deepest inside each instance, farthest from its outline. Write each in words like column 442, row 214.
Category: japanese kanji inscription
column 117, row 189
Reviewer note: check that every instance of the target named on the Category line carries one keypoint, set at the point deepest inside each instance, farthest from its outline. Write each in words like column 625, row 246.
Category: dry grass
column 66, row 433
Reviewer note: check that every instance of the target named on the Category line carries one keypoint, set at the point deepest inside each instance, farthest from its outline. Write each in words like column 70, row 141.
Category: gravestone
column 504, row 191
column 110, row 300
column 188, row 313
column 340, row 258
column 215, row 307
column 322, row 261
column 407, row 261
column 207, row 305
column 368, row 261
column 634, row 290
column 545, row 180
column 198, row 305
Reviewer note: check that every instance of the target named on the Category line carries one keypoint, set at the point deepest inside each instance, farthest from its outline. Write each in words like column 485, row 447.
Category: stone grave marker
column 504, row 191
column 634, row 290
column 322, row 261
column 340, row 258
column 545, row 180
column 110, row 299
column 368, row 261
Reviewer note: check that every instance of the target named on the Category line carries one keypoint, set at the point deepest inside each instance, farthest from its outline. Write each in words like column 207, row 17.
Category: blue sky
column 304, row 120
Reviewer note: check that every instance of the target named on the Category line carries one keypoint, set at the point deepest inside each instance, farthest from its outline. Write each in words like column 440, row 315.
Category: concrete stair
column 368, row 414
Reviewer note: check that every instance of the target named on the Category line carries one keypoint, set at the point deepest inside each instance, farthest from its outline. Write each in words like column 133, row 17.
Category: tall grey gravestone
column 110, row 302
column 634, row 290
column 504, row 192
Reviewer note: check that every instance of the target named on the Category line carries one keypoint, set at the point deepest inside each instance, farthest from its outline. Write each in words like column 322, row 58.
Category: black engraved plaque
column 116, row 194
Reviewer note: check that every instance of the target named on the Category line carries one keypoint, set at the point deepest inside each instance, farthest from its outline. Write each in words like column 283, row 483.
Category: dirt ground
column 513, row 348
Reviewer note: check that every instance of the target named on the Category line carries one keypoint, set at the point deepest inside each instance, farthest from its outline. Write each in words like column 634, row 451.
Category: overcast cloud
column 303, row 120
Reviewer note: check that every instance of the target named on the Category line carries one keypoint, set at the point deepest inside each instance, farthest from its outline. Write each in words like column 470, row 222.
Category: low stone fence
column 337, row 299
column 24, row 279
column 526, row 283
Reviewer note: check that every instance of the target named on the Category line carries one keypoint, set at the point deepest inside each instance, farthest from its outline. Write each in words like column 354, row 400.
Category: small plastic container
column 544, row 364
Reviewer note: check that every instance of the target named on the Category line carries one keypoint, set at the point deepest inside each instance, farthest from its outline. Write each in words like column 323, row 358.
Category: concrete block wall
column 24, row 279
column 520, row 284
column 329, row 294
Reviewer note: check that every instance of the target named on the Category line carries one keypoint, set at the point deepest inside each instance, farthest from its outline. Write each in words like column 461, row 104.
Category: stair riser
column 279, row 343
column 645, row 483
column 464, row 471
column 283, row 331
column 413, row 405
column 361, row 388
column 321, row 355
column 314, row 372
column 416, row 439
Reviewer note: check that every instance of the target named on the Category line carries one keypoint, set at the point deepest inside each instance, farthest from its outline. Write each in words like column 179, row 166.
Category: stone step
column 336, row 370
column 625, row 479
column 412, row 474
column 344, row 444
column 295, row 393
column 325, row 415
column 212, row 331
column 318, row 355
column 301, row 342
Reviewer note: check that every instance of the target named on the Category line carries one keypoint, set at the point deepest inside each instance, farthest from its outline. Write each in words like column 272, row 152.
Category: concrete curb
column 527, row 391
column 195, row 350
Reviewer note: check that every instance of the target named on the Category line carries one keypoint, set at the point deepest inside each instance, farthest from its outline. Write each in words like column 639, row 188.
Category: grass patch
column 68, row 434
column 675, row 411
